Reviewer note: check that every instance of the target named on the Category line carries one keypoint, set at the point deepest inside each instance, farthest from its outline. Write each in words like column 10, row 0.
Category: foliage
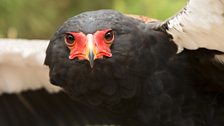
column 161, row 9
column 40, row 18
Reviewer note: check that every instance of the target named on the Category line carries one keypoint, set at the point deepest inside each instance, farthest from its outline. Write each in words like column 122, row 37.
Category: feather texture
column 41, row 108
column 21, row 66
column 199, row 25
column 145, row 82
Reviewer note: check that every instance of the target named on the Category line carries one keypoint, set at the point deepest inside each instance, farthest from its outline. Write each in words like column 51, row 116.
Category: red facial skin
column 80, row 49
column 77, row 48
column 102, row 45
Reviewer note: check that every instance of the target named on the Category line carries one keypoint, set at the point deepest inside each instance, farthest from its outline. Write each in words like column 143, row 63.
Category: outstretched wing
column 21, row 66
column 198, row 32
column 41, row 108
column 26, row 95
column 200, row 24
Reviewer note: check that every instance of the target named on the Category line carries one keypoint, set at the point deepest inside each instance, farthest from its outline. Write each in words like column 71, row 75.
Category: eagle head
column 101, row 57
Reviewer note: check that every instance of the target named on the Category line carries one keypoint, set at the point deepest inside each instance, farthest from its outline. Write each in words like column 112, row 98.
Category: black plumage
column 145, row 82
column 40, row 108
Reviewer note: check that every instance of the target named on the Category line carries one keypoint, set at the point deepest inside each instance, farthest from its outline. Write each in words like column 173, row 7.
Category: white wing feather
column 21, row 66
column 199, row 25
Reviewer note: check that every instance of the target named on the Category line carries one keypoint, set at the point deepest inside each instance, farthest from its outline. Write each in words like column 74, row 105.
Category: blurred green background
column 38, row 19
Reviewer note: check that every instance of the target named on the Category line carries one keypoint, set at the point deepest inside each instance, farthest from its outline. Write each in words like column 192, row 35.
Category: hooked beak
column 91, row 50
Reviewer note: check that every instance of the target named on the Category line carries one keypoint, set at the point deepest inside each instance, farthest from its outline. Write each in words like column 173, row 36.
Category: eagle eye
column 69, row 38
column 109, row 36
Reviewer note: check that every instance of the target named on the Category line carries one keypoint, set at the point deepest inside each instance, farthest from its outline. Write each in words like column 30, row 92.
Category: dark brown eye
column 69, row 38
column 109, row 36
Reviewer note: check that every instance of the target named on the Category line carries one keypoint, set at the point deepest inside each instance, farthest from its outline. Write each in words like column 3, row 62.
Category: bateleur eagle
column 147, row 73
column 137, row 72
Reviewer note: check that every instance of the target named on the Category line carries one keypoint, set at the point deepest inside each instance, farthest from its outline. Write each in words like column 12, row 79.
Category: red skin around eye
column 79, row 49
column 103, row 47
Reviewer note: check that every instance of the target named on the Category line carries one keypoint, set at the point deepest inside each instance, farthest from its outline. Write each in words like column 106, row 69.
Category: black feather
column 145, row 82
column 39, row 108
